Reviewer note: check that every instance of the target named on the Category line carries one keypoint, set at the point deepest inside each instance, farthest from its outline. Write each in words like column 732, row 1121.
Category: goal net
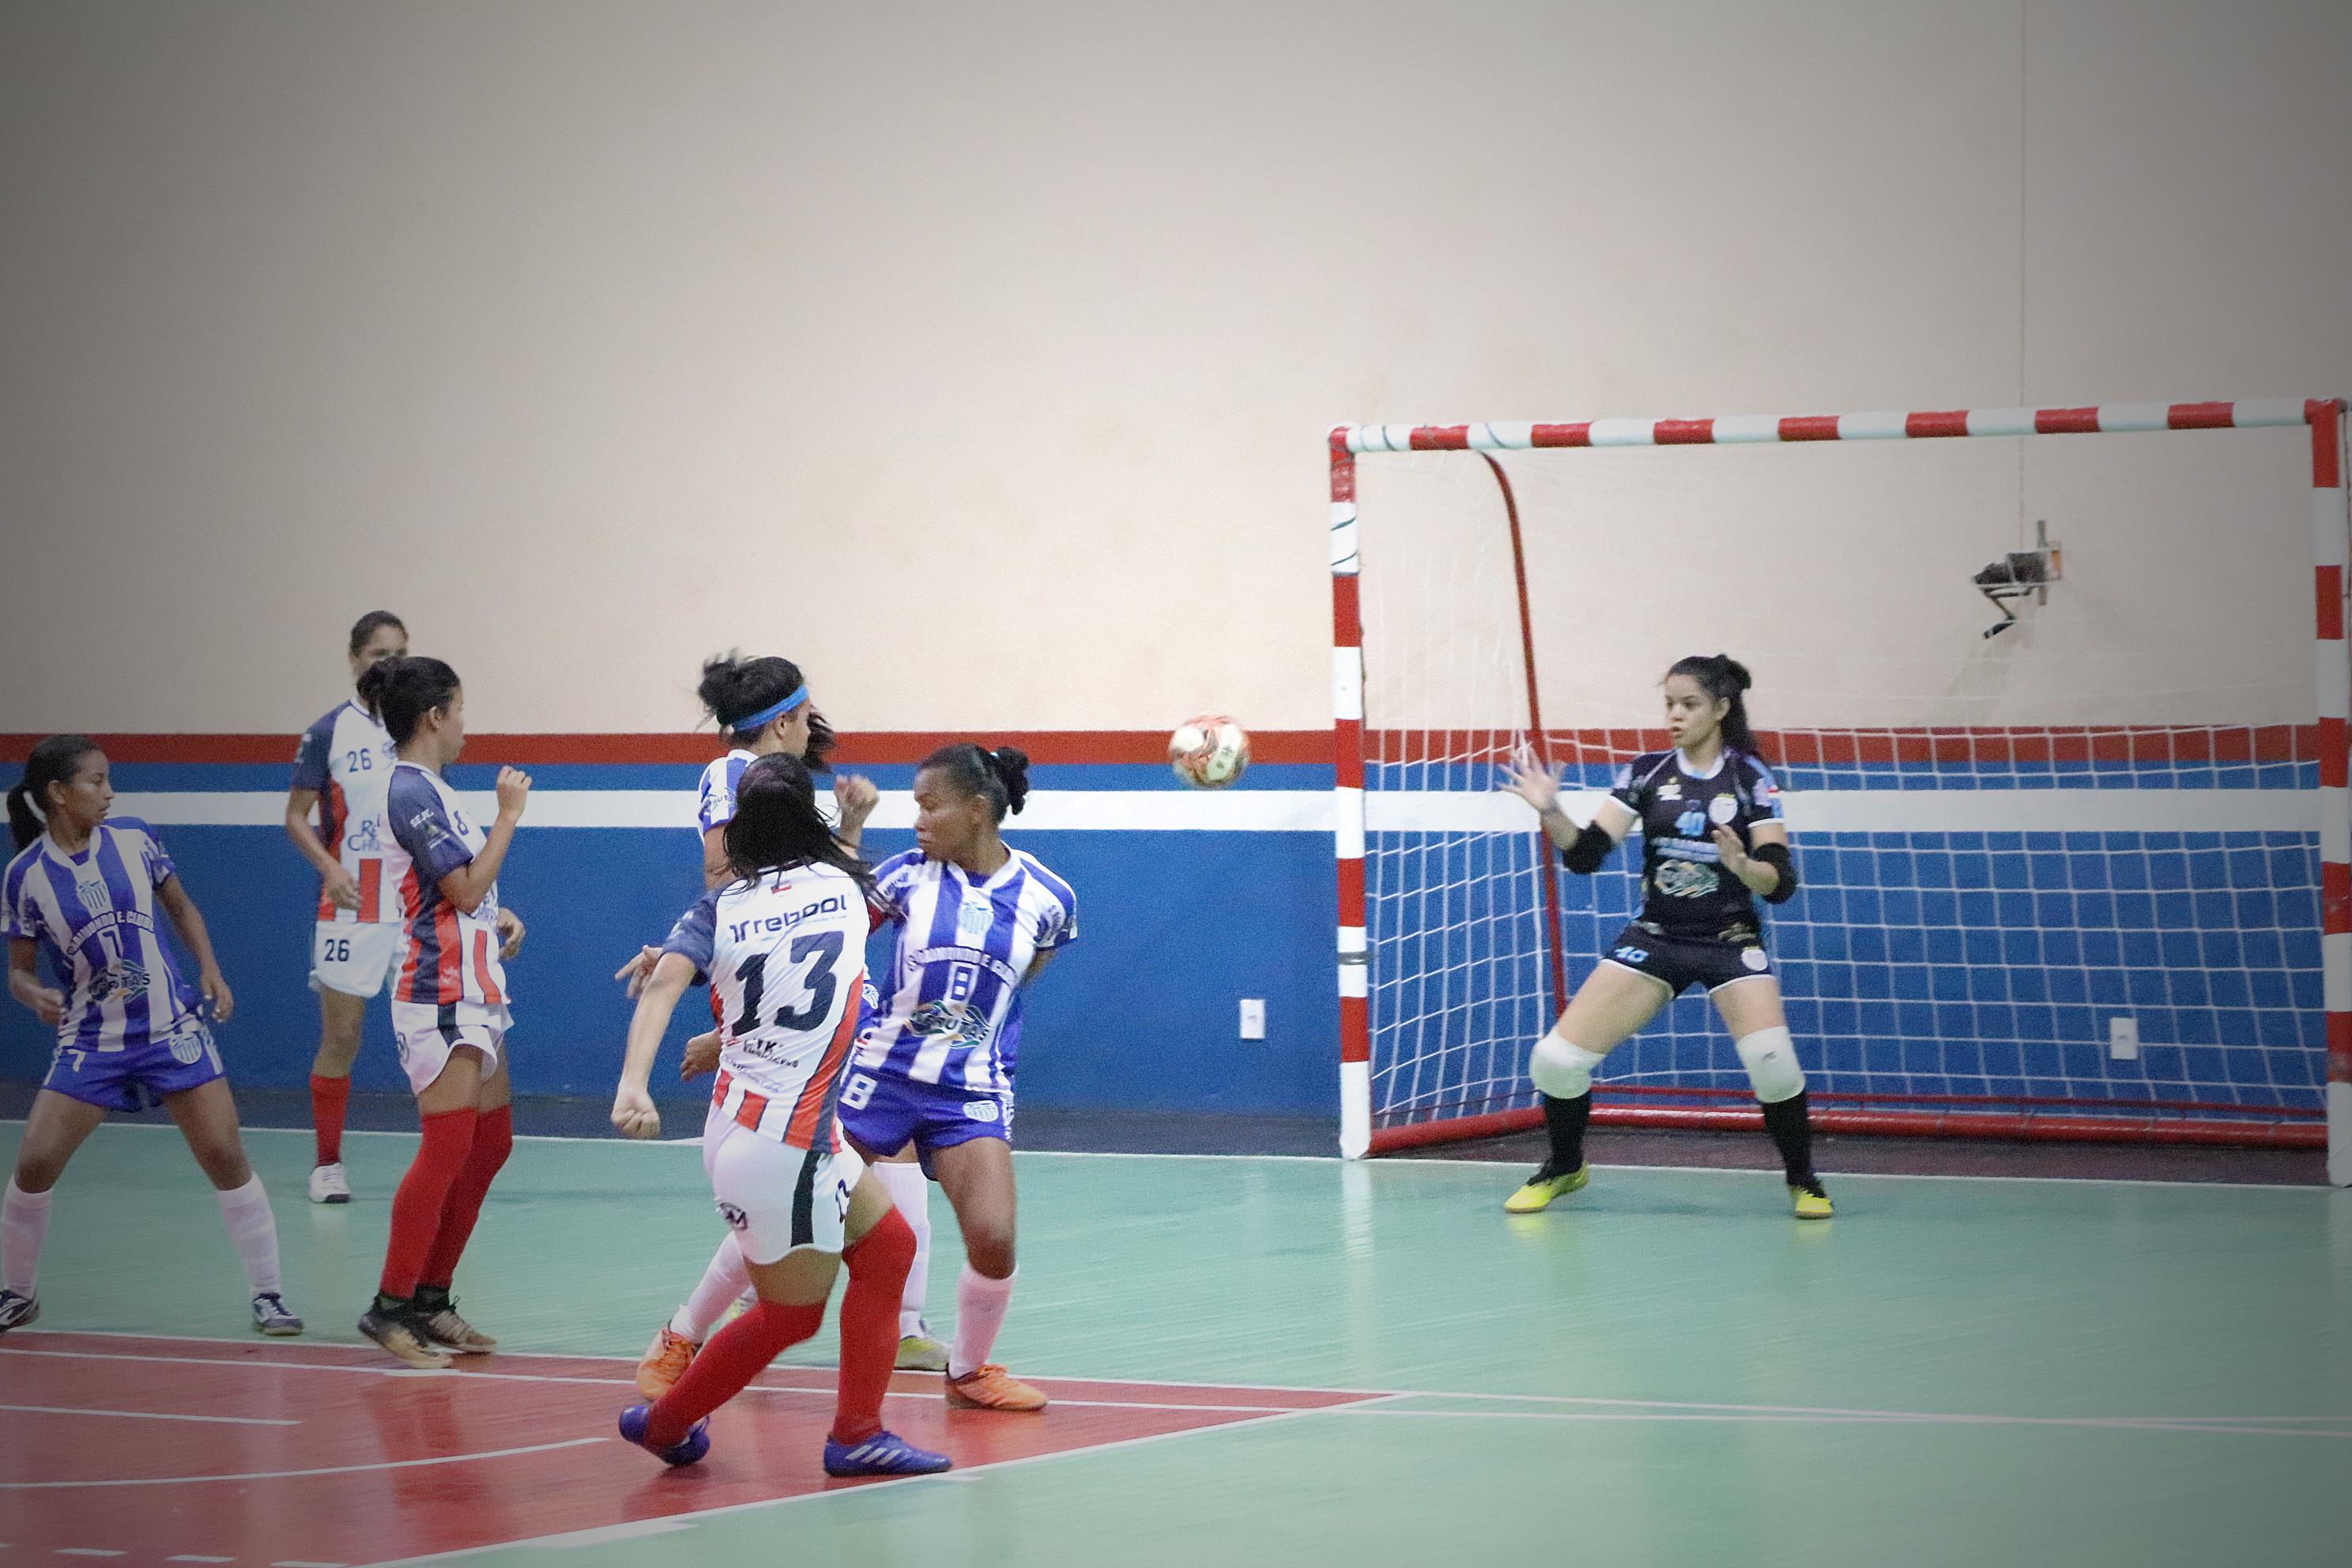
column 2066, row 798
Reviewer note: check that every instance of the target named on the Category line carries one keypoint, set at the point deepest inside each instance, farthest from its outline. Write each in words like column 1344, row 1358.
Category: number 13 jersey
column 785, row 955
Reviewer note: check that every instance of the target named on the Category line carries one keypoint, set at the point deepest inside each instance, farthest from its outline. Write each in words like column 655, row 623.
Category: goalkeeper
column 1712, row 842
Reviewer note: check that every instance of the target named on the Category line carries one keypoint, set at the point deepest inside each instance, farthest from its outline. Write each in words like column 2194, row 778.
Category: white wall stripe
column 1393, row 811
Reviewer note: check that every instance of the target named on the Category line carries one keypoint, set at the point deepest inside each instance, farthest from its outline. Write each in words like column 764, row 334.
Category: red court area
column 137, row 1450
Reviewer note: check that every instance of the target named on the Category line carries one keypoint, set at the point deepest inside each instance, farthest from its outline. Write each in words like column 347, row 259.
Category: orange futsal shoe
column 665, row 1360
column 990, row 1387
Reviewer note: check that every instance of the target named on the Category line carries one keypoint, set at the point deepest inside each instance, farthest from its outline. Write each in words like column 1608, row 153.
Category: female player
column 1712, row 839
column 339, row 770
column 449, row 1014
column 977, row 922
column 764, row 705
column 84, row 891
column 784, row 945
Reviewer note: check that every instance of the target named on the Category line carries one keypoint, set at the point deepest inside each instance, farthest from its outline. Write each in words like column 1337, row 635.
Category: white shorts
column 776, row 1199
column 350, row 958
column 426, row 1035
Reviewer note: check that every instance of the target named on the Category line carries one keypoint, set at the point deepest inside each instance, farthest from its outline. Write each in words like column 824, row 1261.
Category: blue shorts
column 884, row 1113
column 138, row 1075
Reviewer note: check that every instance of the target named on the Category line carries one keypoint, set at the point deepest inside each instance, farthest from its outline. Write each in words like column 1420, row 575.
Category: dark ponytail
column 54, row 761
column 734, row 690
column 367, row 625
column 1001, row 775
column 1724, row 679
column 776, row 824
column 401, row 692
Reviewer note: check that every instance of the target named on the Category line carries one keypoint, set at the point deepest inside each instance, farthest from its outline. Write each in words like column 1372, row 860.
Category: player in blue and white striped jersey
column 83, row 892
column 976, row 921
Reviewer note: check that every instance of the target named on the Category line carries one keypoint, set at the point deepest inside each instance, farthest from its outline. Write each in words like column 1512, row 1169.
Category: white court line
column 1840, row 1418
column 1358, row 1400
column 152, row 1416
column 968, row 1472
column 1740, row 1171
column 298, row 1475
column 599, row 1382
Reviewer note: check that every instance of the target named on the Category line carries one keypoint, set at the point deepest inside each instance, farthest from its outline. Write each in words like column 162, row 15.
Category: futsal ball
column 1210, row 752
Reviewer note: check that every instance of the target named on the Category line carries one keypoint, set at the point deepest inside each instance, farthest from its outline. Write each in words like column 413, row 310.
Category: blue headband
column 751, row 721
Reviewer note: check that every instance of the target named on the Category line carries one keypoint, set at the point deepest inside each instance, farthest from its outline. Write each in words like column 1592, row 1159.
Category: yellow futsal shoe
column 664, row 1362
column 920, row 1353
column 1810, row 1202
column 1544, row 1186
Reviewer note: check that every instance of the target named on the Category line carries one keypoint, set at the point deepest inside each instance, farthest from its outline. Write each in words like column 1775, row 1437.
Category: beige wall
column 977, row 356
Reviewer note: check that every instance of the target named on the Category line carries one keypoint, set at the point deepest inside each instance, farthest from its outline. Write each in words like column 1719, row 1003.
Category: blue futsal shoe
column 883, row 1454
column 686, row 1450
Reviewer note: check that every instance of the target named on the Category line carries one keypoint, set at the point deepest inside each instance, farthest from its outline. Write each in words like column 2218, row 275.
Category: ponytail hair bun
column 1734, row 672
column 999, row 776
column 1011, row 765
column 401, row 692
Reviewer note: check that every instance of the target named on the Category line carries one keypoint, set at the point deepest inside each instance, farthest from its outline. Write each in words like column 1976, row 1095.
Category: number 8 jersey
column 785, row 956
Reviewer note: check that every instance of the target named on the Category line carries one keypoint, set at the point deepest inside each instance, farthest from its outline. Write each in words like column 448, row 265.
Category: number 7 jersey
column 785, row 955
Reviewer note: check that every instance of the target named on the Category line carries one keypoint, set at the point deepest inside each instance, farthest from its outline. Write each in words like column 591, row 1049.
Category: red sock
column 735, row 1355
column 493, row 1141
column 878, row 1263
column 329, row 1099
column 424, row 1192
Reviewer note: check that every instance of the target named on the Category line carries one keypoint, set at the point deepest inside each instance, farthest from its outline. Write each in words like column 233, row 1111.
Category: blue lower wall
column 1139, row 1015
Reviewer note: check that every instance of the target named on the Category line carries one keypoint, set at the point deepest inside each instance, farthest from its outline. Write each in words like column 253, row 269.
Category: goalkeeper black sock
column 1564, row 1119
column 1792, row 1133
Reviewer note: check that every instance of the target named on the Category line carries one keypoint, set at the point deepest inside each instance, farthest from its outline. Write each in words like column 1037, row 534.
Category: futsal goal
column 2065, row 780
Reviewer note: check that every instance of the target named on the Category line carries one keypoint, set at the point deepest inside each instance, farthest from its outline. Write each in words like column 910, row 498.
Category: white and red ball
column 1210, row 752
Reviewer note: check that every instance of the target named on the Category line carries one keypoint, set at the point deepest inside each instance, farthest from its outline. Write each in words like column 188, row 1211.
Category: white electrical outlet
column 2123, row 1040
column 1253, row 1019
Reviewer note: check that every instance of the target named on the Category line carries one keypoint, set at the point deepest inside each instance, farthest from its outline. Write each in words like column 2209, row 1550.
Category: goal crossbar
column 2333, row 680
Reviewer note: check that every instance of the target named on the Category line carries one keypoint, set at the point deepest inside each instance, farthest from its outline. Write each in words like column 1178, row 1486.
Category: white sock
column 980, row 1312
column 910, row 1190
column 253, row 1230
column 24, row 1225
column 726, row 1277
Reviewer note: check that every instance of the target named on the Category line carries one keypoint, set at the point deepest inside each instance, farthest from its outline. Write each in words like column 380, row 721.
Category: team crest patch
column 1722, row 809
column 187, row 1046
column 734, row 1215
column 1753, row 957
column 980, row 1109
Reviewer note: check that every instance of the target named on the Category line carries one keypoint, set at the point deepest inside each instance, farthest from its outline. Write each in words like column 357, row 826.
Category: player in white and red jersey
column 449, row 1004
column 783, row 943
column 764, row 706
column 84, row 892
column 339, row 770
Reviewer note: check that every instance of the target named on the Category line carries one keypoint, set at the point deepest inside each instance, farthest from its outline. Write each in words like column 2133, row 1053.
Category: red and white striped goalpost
column 2330, row 547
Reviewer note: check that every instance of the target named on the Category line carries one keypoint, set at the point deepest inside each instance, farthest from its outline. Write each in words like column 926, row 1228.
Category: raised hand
column 1531, row 781
column 514, row 788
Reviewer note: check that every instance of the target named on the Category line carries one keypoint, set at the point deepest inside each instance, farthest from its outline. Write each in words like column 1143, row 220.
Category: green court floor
column 1665, row 1369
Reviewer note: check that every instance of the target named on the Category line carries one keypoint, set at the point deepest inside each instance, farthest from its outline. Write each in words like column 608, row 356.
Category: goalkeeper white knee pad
column 1560, row 1069
column 1771, row 1058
